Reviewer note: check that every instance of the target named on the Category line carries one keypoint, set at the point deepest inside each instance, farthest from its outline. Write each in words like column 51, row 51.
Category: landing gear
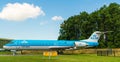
column 60, row 51
column 14, row 52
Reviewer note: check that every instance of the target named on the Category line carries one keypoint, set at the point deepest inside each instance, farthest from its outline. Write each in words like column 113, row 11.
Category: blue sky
column 43, row 26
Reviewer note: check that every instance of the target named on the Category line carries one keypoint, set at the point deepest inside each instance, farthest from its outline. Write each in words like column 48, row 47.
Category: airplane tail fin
column 95, row 36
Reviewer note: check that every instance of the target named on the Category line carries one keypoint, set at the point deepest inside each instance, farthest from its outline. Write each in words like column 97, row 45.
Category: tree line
column 4, row 41
column 81, row 26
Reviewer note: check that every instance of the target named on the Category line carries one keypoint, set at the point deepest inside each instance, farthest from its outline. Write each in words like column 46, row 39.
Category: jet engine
column 80, row 44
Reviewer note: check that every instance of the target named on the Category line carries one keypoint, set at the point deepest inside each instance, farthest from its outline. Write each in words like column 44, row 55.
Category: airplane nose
column 4, row 47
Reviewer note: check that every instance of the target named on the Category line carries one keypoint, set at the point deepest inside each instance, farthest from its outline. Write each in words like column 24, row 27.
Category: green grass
column 60, row 58
column 5, row 53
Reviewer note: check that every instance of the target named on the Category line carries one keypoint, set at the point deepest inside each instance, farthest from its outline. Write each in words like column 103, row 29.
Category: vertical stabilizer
column 95, row 36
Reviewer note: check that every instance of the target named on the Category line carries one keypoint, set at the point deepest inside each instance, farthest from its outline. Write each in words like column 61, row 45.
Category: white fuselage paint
column 34, row 47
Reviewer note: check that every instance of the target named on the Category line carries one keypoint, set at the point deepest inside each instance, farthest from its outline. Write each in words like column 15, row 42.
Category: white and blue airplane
column 53, row 44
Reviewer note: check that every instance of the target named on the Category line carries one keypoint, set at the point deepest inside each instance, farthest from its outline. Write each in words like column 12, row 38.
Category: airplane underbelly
column 34, row 47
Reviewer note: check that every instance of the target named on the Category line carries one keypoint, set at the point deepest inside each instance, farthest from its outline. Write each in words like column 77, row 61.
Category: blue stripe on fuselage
column 40, row 43
column 47, row 43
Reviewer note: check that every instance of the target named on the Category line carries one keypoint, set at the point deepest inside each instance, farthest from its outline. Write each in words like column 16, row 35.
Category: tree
column 107, row 18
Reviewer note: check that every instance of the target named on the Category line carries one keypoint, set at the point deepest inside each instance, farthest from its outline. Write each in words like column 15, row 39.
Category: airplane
column 53, row 44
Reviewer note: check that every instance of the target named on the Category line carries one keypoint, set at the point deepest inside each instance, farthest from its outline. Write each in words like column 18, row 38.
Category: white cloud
column 43, row 23
column 20, row 12
column 57, row 18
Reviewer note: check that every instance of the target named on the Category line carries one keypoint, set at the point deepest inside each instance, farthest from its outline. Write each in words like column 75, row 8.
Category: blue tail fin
column 95, row 36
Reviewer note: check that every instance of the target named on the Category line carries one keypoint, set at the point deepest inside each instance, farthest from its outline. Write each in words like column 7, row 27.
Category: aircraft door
column 24, row 44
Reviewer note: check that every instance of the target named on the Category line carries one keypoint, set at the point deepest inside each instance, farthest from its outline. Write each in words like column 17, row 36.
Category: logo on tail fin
column 94, row 37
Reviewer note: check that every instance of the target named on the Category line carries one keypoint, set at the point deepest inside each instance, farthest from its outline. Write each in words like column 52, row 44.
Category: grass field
column 60, row 58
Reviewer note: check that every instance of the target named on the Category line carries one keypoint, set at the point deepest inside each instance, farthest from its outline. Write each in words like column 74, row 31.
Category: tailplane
column 95, row 36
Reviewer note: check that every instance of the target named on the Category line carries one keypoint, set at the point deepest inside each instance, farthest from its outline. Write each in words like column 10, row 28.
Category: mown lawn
column 60, row 58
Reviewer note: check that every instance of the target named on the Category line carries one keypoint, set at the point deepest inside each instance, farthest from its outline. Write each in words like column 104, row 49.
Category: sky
column 41, row 19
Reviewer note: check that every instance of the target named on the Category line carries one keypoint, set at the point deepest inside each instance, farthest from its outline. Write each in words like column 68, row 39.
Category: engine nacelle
column 80, row 44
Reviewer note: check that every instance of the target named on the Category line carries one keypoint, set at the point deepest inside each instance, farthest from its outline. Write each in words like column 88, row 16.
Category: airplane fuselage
column 47, row 44
column 53, row 44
